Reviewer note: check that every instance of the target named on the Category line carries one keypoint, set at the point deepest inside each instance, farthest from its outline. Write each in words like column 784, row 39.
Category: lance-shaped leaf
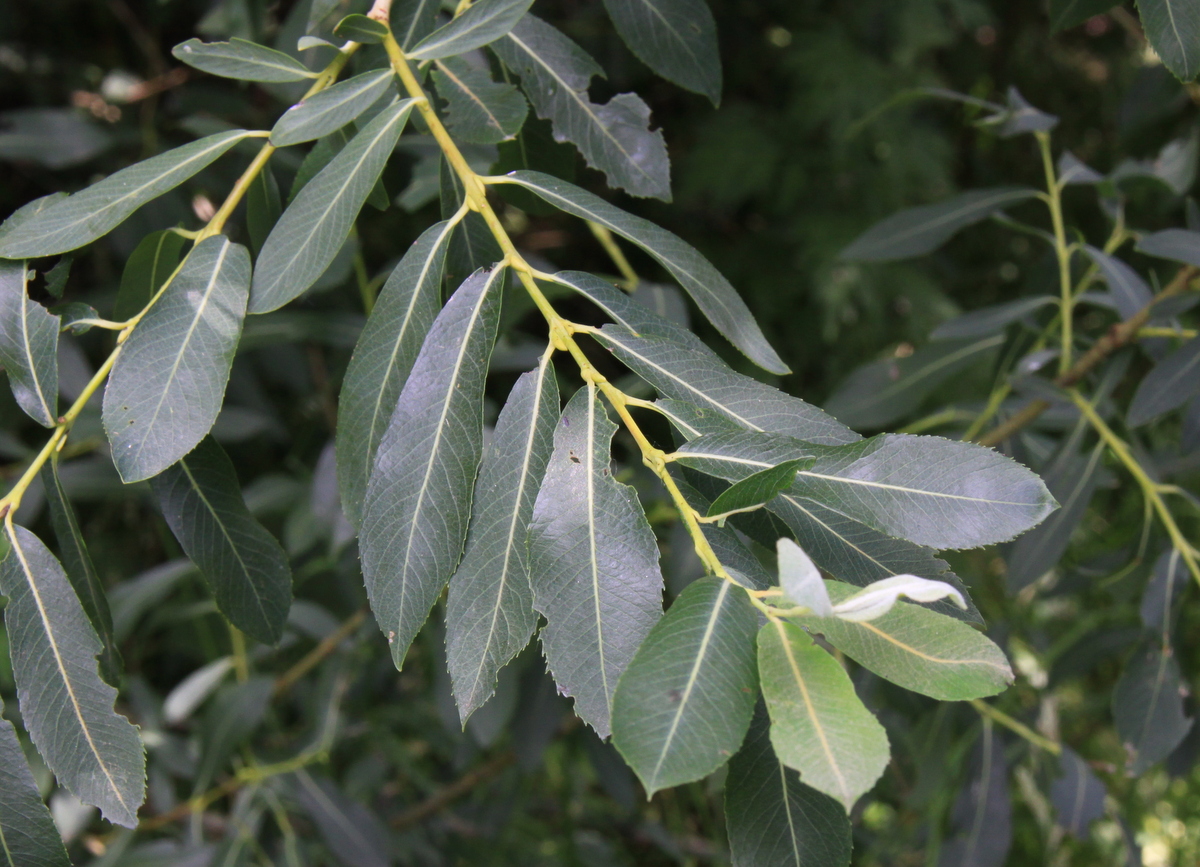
column 683, row 706
column 148, row 267
column 1173, row 28
column 264, row 204
column 916, row 648
column 621, row 308
column 481, row 24
column 1129, row 291
column 1077, row 794
column 1173, row 382
column 330, row 109
column 772, row 818
column 418, row 499
column 245, row 567
column 756, row 489
column 800, row 579
column 689, row 372
column 315, row 225
column 81, row 571
column 982, row 816
column 929, row 490
column 413, row 20
column 1181, row 245
column 675, row 38
column 81, row 218
column 489, row 612
column 67, row 709
column 713, row 294
column 28, row 346
column 593, row 563
column 382, row 359
column 28, row 837
column 614, row 138
column 169, row 381
column 1160, row 600
column 917, row 231
column 987, row 321
column 240, row 59
column 478, row 109
column 818, row 725
column 1147, row 706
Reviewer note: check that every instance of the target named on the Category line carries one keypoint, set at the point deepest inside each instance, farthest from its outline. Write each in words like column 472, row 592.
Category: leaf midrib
column 492, row 119
column 27, row 345
column 591, row 515
column 926, row 656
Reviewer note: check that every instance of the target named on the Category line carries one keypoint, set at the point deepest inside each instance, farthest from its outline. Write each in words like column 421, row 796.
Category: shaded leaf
column 81, row 218
column 473, row 245
column 236, row 712
column 56, row 138
column 360, row 28
column 1147, row 706
column 148, row 267
column 383, row 357
column 614, row 138
column 312, row 230
column 1173, row 29
column 413, row 20
column 483, row 22
column 1129, row 291
column 683, row 705
column 353, row 834
column 818, row 725
column 240, row 59
column 28, row 346
column 263, row 207
column 1173, row 382
column 757, row 489
column 478, row 109
column 489, row 612
column 982, row 815
column 1071, row 13
column 244, row 566
column 1160, row 600
column 28, row 837
column 1181, row 245
column 675, row 38
column 167, row 386
column 989, row 320
column 330, row 109
column 737, row 559
column 917, row 231
column 1019, row 117
column 1077, row 794
column 67, row 709
column 593, row 563
column 418, row 498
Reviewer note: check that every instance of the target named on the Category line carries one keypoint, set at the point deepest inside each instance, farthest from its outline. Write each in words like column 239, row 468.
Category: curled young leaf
column 801, row 580
column 877, row 599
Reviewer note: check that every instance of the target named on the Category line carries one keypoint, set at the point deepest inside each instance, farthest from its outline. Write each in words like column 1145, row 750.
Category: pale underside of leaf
column 28, row 346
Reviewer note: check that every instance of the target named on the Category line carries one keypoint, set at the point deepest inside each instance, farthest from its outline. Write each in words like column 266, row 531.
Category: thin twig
column 327, row 645
column 1017, row 726
column 444, row 797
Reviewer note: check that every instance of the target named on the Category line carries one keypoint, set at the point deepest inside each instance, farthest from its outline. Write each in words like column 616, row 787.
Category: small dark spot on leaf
column 574, row 458
column 675, row 696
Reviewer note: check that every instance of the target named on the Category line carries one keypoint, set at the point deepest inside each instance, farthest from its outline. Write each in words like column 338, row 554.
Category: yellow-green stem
column 241, row 663
column 1016, row 726
column 614, row 251
column 1061, row 250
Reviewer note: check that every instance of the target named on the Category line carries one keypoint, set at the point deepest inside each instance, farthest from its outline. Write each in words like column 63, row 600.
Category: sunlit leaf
column 801, row 580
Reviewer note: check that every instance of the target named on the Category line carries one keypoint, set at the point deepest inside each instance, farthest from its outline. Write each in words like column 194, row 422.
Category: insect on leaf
column 28, row 346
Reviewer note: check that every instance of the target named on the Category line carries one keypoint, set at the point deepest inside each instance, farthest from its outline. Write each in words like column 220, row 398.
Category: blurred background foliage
column 814, row 141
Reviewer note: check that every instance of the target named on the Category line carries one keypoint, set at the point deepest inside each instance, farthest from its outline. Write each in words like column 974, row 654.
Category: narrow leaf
column 1147, row 706
column 917, row 649
column 263, row 207
column 67, row 709
column 1130, row 293
column 168, row 383
column 330, row 109
column 489, row 612
column 1173, row 382
column 1181, row 245
column 244, row 566
column 478, row 109
column 353, row 833
column 360, row 28
column 683, row 706
column 1077, row 794
column 316, row 224
column 917, row 231
column 990, row 320
column 483, row 22
column 801, row 580
column 382, row 359
column 757, row 489
column 1173, row 28
column 675, row 38
column 982, row 816
column 28, row 346
column 772, row 818
column 28, row 837
column 593, row 563
column 238, row 58
column 81, row 571
column 818, row 725
column 413, row 20
column 148, row 267
column 81, row 218
column 614, row 138
column 1160, row 600
column 418, row 499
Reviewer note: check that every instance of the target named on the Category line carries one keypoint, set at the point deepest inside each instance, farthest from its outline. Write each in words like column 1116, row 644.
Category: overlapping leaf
column 67, row 709
column 1147, row 706
column 1173, row 382
column 675, row 38
column 593, row 563
column 1173, row 28
column 489, row 611
column 330, row 109
column 264, row 204
column 148, row 267
column 1129, row 291
column 413, row 20
column 483, row 22
column 241, row 59
column 168, row 383
column 682, row 707
column 418, row 499
column 478, row 109
column 756, row 489
column 28, row 346
column 28, row 837
column 1181, row 245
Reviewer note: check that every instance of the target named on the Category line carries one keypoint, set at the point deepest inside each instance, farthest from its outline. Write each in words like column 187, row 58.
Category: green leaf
column 418, row 499
column 330, row 109
column 1077, row 794
column 263, row 207
column 67, row 709
column 800, row 579
column 683, row 705
column 990, row 320
column 713, row 294
column 818, row 725
column 772, row 818
column 56, row 277
column 1173, row 29
column 318, row 221
column 1181, row 245
column 1147, row 706
column 413, row 20
column 593, row 563
column 1128, row 291
column 81, row 218
column 244, row 566
column 1169, row 385
column 917, row 231
column 169, row 380
column 757, row 489
column 982, row 815
column 916, row 648
column 1065, row 14
column 737, row 559
column 478, row 109
column 614, row 138
column 81, row 571
column 28, row 837
column 352, row 832
column 622, row 309
column 473, row 245
column 675, row 38
column 237, row 58
column 148, row 267
column 360, row 28
column 382, row 359
column 28, row 346
column 489, row 612
column 482, row 23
